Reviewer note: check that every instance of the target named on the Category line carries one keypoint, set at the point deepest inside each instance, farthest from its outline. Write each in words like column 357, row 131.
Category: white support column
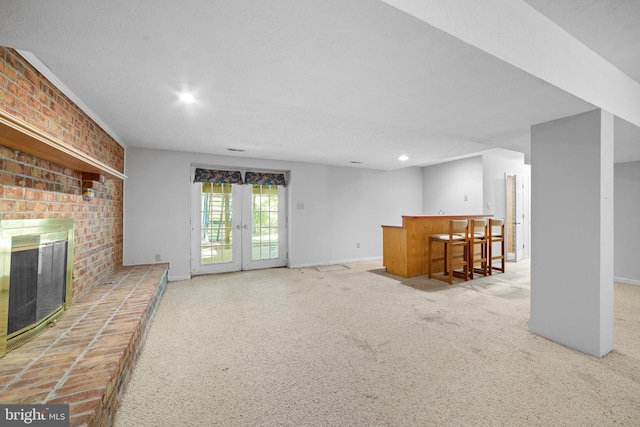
column 572, row 231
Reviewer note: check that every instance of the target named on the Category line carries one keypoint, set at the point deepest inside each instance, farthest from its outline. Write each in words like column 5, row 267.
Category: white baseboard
column 345, row 261
column 178, row 278
column 628, row 281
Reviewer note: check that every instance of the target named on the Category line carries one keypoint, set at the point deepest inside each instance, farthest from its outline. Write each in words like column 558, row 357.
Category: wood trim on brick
column 17, row 134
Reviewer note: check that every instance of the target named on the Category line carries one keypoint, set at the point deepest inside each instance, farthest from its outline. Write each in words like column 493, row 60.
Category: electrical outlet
column 158, row 258
column 358, row 245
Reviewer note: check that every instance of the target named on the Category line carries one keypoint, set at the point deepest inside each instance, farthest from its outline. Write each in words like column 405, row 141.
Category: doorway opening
column 516, row 217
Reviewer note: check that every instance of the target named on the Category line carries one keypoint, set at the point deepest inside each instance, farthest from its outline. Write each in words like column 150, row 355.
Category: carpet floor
column 355, row 346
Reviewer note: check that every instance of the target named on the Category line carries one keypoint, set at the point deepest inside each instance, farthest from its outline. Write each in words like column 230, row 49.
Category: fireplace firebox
column 36, row 273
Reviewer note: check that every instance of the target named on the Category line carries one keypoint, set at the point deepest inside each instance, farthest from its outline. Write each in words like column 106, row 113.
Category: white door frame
column 519, row 217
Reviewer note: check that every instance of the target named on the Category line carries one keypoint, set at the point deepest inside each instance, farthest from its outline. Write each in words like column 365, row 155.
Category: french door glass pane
column 264, row 222
column 217, row 228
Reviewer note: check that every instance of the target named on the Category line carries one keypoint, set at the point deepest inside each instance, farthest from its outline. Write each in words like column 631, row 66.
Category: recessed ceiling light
column 187, row 97
column 403, row 158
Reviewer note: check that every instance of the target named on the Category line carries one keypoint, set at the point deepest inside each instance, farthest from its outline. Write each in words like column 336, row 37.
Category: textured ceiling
column 329, row 82
column 610, row 28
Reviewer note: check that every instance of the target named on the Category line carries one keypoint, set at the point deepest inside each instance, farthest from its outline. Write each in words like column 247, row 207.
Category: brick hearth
column 86, row 359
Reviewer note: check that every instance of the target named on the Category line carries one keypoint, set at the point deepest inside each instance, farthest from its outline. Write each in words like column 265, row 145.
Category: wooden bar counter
column 405, row 249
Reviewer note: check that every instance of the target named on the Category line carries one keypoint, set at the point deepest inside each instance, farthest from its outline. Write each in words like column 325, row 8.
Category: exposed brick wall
column 26, row 94
column 31, row 187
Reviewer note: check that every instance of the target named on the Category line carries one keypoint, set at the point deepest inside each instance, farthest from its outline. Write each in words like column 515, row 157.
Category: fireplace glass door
column 36, row 275
column 37, row 284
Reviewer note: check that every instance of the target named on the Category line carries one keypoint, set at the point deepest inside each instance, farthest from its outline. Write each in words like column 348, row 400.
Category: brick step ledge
column 86, row 359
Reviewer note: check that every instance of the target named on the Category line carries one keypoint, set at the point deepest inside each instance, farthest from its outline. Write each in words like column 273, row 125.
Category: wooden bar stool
column 478, row 239
column 496, row 235
column 456, row 251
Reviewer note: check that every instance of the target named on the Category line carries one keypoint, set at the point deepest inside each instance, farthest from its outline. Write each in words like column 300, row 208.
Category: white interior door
column 237, row 227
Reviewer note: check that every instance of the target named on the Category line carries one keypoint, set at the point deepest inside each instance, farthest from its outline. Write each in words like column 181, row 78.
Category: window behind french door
column 237, row 227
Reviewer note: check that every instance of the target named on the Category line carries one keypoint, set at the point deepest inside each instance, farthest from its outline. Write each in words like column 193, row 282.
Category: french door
column 237, row 227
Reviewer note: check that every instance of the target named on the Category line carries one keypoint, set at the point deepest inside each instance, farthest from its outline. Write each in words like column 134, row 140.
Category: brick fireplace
column 57, row 162
column 33, row 186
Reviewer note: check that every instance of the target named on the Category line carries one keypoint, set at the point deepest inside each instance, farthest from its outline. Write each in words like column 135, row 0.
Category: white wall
column 497, row 163
column 342, row 207
column 482, row 179
column 626, row 223
column 445, row 186
column 157, row 206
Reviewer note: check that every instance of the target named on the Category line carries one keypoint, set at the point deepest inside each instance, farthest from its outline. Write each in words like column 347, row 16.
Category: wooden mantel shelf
column 19, row 135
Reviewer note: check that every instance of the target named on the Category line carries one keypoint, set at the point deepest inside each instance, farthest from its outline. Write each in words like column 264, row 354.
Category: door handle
column 238, row 227
column 246, row 226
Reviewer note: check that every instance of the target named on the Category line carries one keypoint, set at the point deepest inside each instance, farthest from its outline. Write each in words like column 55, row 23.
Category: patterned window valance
column 217, row 176
column 262, row 178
